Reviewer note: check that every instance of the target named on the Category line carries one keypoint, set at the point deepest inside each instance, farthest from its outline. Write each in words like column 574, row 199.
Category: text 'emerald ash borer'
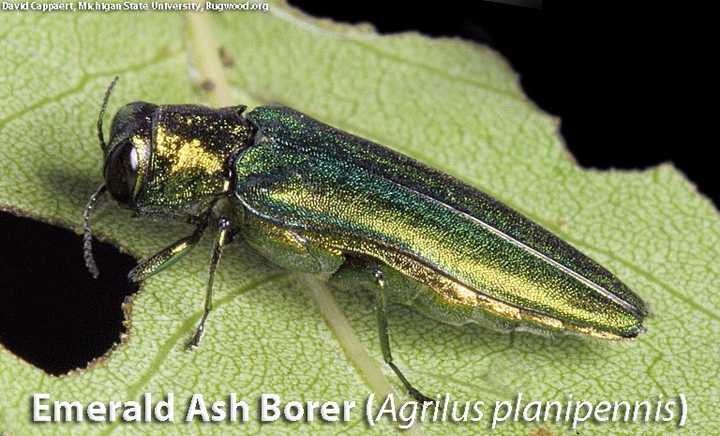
column 315, row 199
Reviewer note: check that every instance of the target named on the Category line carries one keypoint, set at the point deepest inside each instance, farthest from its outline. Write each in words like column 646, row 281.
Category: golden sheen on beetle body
column 314, row 199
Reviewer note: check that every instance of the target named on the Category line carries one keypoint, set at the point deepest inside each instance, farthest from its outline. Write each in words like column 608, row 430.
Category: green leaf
column 452, row 104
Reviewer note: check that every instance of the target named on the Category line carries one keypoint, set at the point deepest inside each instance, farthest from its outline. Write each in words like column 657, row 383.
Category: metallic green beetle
column 313, row 198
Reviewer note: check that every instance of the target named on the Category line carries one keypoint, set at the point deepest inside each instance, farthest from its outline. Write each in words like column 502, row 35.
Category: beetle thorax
column 189, row 158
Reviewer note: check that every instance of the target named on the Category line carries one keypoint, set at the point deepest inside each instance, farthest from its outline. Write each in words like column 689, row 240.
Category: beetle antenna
column 87, row 232
column 101, row 115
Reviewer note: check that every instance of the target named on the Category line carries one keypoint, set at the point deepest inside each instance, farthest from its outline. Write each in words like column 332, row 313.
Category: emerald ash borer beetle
column 315, row 199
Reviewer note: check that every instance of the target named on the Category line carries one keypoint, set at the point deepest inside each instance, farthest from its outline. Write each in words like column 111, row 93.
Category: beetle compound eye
column 121, row 171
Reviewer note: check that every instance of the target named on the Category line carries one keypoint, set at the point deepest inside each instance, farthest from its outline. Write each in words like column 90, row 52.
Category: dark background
column 629, row 85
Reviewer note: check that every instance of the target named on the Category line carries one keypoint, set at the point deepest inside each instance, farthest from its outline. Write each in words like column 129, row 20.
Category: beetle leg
column 385, row 337
column 167, row 256
column 223, row 226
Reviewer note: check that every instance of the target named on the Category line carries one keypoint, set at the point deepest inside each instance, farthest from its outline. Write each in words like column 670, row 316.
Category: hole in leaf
column 53, row 314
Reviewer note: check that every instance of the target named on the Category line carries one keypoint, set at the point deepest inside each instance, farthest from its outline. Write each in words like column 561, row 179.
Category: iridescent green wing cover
column 361, row 198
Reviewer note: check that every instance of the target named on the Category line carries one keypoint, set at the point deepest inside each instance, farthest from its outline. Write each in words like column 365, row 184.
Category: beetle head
column 127, row 152
column 125, row 158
